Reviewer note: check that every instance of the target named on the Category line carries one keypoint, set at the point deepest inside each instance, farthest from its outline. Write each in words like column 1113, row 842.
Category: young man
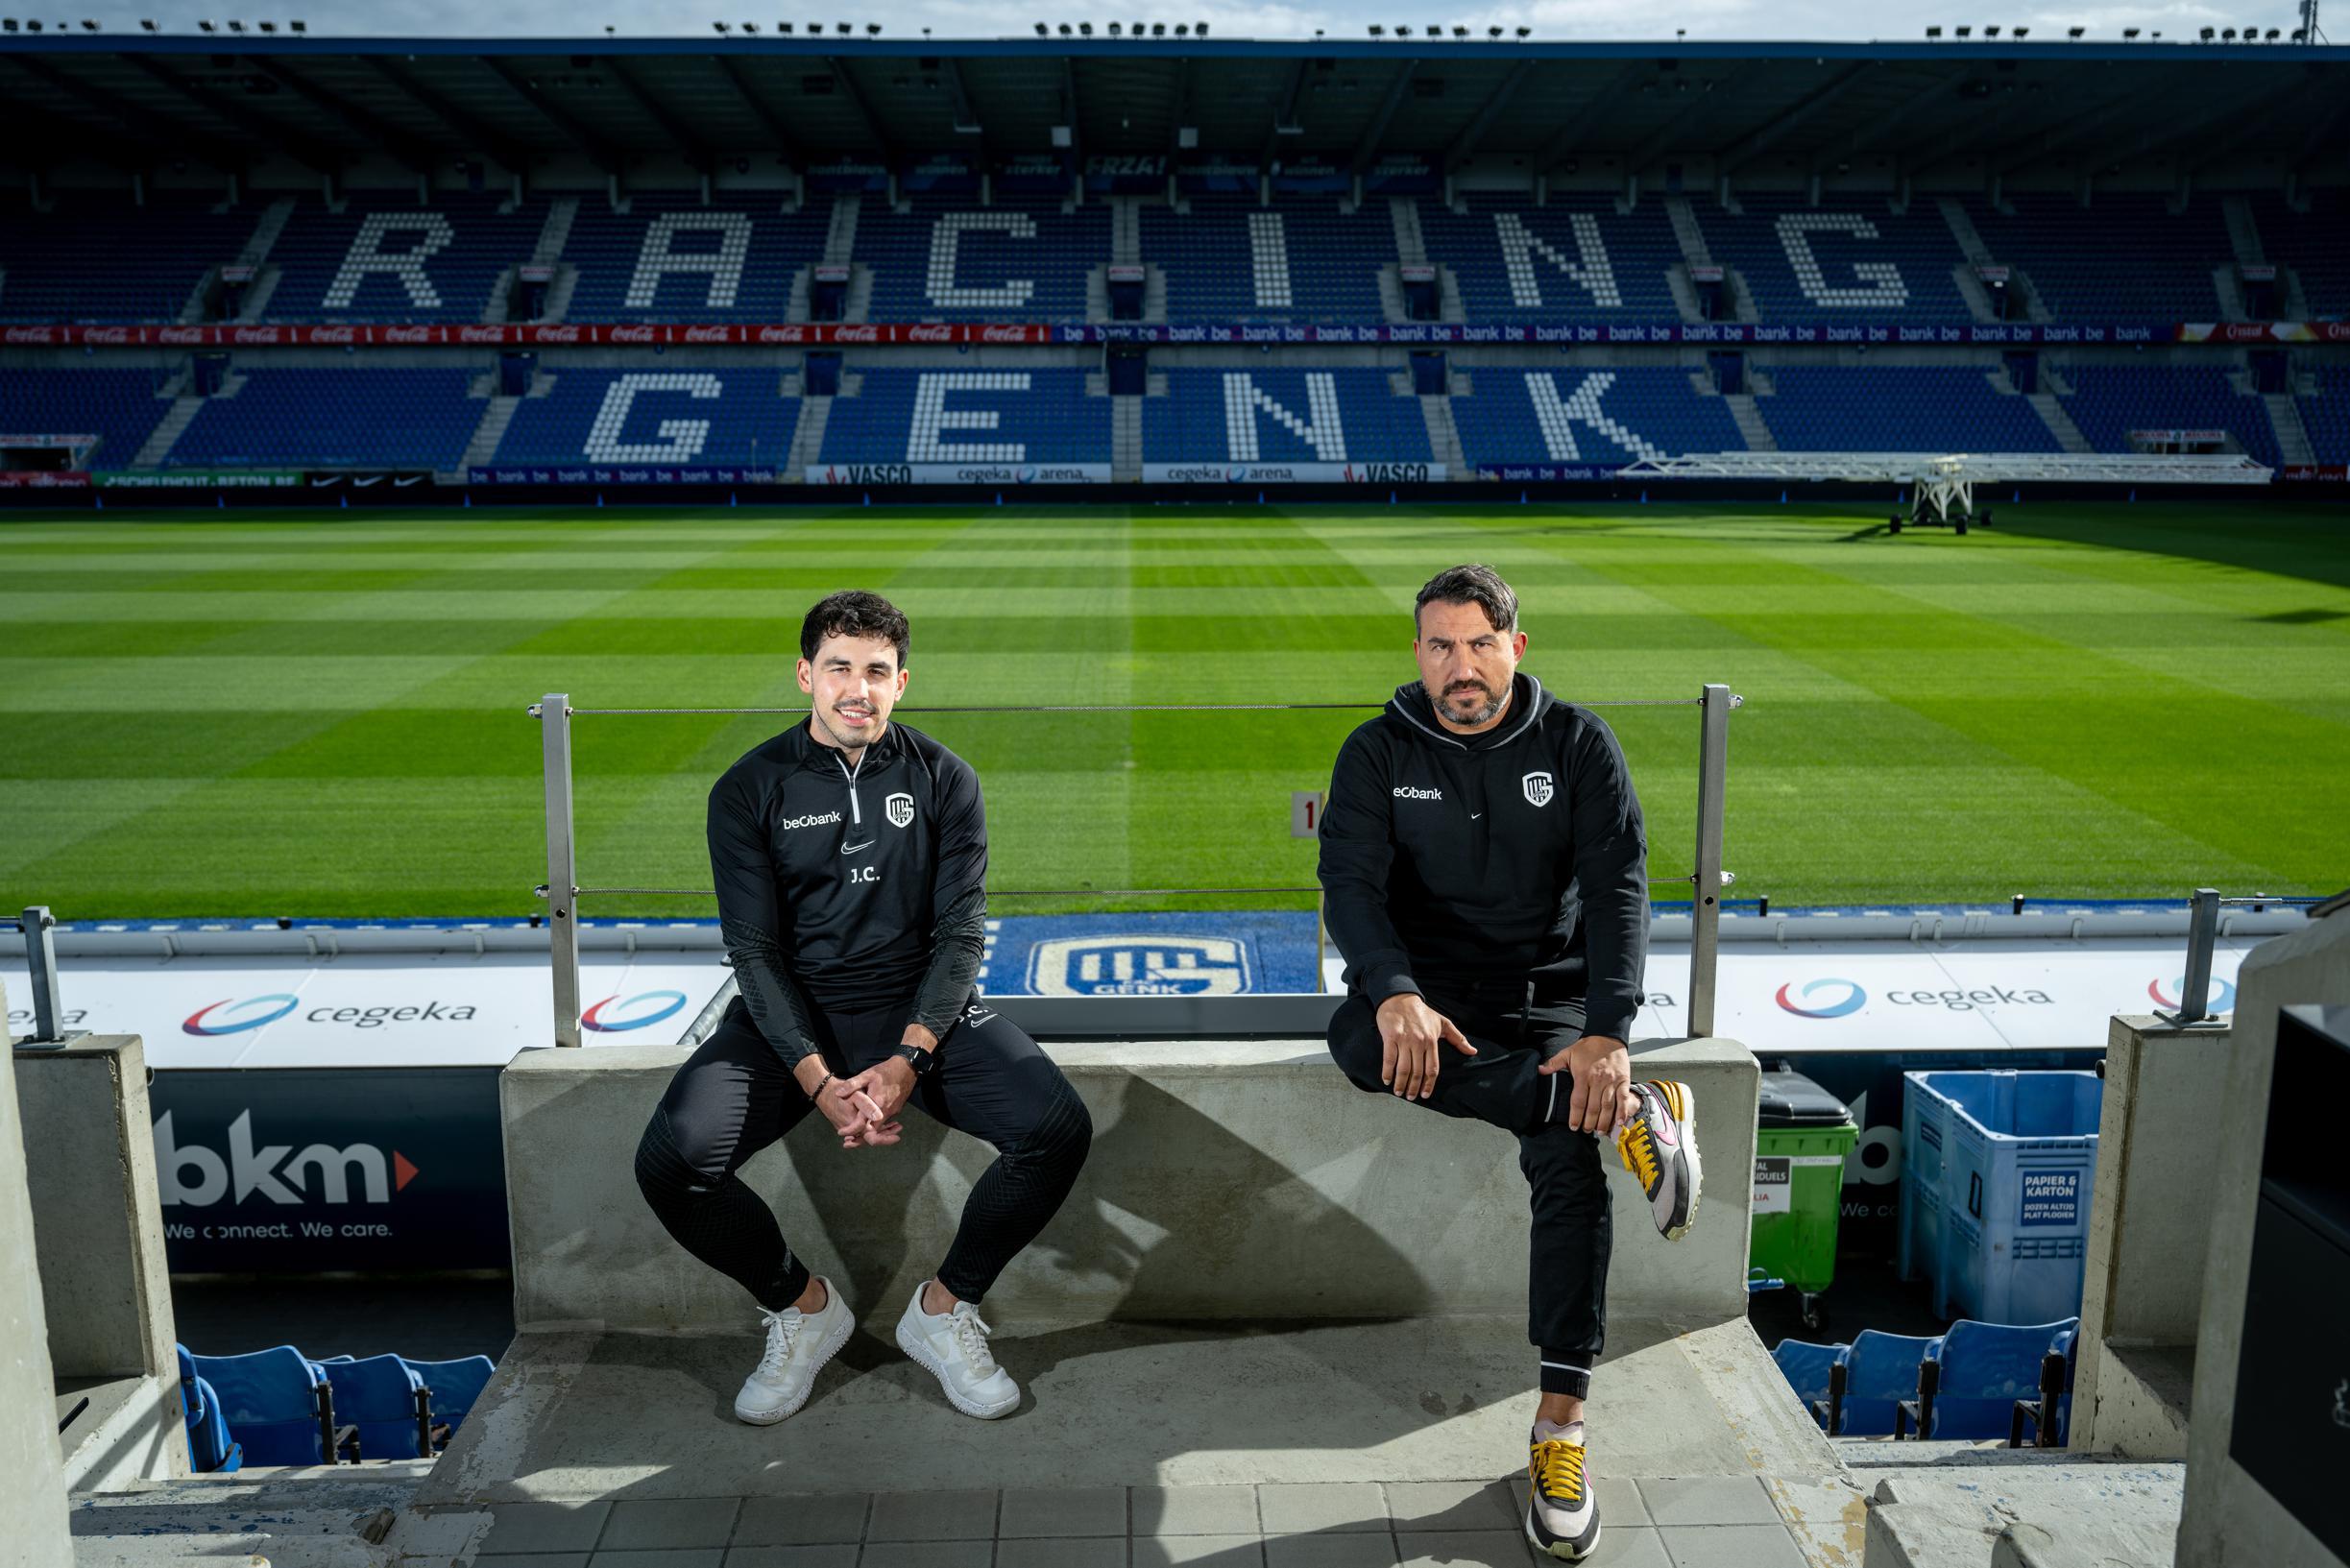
column 851, row 856
column 1485, row 880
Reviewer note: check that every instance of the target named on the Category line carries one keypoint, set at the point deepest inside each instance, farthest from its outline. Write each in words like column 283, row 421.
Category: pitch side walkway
column 1355, row 1446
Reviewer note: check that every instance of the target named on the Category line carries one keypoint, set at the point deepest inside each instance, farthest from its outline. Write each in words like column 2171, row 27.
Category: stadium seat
column 1606, row 416
column 1881, row 1370
column 2326, row 416
column 101, row 259
column 1895, row 408
column 1979, row 1380
column 2109, row 401
column 1813, row 1373
column 276, row 1403
column 209, row 1446
column 954, row 259
column 1513, row 260
column 1850, row 259
column 120, row 407
column 384, row 259
column 2121, row 257
column 670, row 257
column 1029, row 416
column 1322, row 262
column 454, row 1387
column 1353, row 415
column 661, row 418
column 335, row 418
column 380, row 1408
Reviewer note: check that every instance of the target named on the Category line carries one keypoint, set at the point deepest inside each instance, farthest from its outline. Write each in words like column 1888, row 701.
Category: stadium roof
column 1954, row 108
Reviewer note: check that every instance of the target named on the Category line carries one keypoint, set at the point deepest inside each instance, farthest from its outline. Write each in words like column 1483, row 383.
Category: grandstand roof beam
column 1761, row 140
column 1367, row 146
column 1182, row 99
column 45, row 140
column 967, row 121
column 780, row 138
column 2322, row 134
column 273, row 134
column 1595, row 109
column 2084, row 126
column 154, row 129
column 683, row 137
column 2256, row 127
column 1287, row 114
column 1875, row 130
column 413, row 154
column 1071, row 113
column 2177, row 129
column 855, row 95
column 478, row 134
column 601, row 152
column 1666, row 136
column 1474, row 133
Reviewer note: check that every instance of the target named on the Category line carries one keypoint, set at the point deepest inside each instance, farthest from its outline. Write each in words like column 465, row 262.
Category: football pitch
column 322, row 714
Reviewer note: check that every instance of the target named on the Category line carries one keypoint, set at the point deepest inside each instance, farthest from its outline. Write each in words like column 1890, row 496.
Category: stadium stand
column 209, row 1446
column 1301, row 259
column 2315, row 245
column 102, row 258
column 2326, row 416
column 381, row 1410
column 1857, row 259
column 1976, row 1372
column 360, row 418
column 454, row 1386
column 1878, row 408
column 1563, row 260
column 934, row 416
column 1589, row 416
column 2124, row 257
column 118, row 406
column 1283, row 415
column 956, row 260
column 276, row 1402
column 2108, row 401
column 1810, row 1371
column 383, row 260
column 670, row 257
column 1881, row 1370
column 652, row 417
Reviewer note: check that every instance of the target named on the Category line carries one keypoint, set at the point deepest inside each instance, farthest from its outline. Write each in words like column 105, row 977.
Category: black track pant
column 734, row 1097
column 1514, row 1032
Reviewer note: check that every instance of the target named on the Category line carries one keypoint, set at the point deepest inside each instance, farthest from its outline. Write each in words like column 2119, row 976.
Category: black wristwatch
column 923, row 1062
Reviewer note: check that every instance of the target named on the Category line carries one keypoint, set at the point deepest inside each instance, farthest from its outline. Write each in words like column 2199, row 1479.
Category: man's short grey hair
column 1477, row 584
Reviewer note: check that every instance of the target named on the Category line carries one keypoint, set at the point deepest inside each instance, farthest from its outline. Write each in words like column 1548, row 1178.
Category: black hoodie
column 1515, row 854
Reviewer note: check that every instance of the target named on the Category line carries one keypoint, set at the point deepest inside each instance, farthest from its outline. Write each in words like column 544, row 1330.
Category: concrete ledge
column 1227, row 1180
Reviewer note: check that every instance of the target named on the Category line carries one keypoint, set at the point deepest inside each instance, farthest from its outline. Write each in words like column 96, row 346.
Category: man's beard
column 1494, row 701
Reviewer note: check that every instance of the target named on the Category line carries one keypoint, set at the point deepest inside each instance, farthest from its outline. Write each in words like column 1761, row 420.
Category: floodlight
column 208, row 27
column 236, row 26
column 873, row 30
column 2018, row 32
column 299, row 25
column 146, row 24
column 1492, row 31
column 1114, row 30
column 1376, row 30
column 89, row 25
column 2075, row 31
column 1182, row 30
column 1933, row 31
column 1066, row 30
column 2227, row 34
column 2207, row 35
column 1460, row 32
column 269, row 27
column 2272, row 35
column 1525, row 32
column 1086, row 29
column 844, row 28
column 1963, row 31
column 1992, row 31
column 1042, row 31
column 1198, row 30
column 1158, row 30
column 2130, row 35
column 8, row 24
column 783, row 28
column 720, row 26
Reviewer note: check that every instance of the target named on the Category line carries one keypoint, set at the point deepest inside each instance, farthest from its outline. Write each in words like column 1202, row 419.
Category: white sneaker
column 798, row 1345
column 954, row 1346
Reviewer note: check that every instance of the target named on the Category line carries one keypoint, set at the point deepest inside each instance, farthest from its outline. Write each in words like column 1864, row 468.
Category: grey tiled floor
column 1696, row 1523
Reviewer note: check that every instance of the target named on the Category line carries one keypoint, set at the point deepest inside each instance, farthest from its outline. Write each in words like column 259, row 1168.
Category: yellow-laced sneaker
column 1658, row 1145
column 1562, row 1518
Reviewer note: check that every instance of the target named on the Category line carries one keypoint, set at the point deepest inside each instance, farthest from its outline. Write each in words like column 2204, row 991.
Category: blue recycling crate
column 1995, row 1178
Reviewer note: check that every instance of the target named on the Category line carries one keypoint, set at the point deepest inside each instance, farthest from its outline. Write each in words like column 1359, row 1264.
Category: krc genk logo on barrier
column 229, row 1017
column 2223, row 995
column 1823, row 997
column 614, row 1014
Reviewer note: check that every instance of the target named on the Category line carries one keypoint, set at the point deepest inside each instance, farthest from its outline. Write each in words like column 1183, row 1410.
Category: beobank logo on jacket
column 1824, row 997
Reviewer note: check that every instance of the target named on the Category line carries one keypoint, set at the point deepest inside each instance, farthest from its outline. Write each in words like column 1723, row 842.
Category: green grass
column 322, row 714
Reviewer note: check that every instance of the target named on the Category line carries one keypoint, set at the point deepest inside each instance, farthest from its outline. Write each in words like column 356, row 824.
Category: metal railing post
column 1706, row 894
column 40, row 960
column 2202, row 937
column 554, row 715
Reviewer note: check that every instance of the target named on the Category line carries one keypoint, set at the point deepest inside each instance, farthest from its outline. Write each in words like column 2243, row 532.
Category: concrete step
column 2244, row 231
column 158, row 443
column 324, row 1517
column 489, row 432
column 1125, row 437
column 1962, row 230
column 1685, row 229
column 1958, row 1506
column 1443, row 436
column 1411, row 245
column 1758, row 434
column 841, row 236
column 807, row 436
column 2293, row 435
column 2051, row 412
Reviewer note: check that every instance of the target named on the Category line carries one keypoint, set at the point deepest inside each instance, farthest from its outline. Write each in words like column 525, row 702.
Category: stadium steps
column 556, row 232
column 1685, row 229
column 257, row 296
column 807, row 436
column 158, row 443
column 2059, row 423
column 1970, row 289
column 840, row 234
column 489, row 432
column 1097, row 293
column 1749, row 418
column 498, row 307
column 1962, row 230
column 1411, row 244
column 318, row 1517
column 1154, row 294
column 1685, row 291
column 2225, row 285
column 2292, row 436
column 1126, row 232
column 2244, row 231
column 1443, row 436
column 1390, row 294
column 2296, row 300
column 1125, row 437
column 856, row 303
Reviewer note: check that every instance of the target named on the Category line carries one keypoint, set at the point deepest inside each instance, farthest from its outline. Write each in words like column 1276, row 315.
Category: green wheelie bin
column 1801, row 1138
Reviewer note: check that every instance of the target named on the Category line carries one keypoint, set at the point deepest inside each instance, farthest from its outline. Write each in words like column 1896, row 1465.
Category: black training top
column 1506, row 856
column 850, row 888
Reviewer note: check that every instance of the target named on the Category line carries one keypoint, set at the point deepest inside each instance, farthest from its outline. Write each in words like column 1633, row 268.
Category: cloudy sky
column 1717, row 19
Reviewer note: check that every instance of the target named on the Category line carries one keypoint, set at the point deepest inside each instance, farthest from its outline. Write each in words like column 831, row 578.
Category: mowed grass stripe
column 343, row 733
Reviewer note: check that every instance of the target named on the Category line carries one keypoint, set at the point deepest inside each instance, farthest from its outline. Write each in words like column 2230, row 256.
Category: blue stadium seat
column 672, row 259
column 1608, row 416
column 1878, row 408
column 103, row 258
column 118, row 406
column 454, row 1387
column 1031, row 416
column 1513, row 259
column 380, row 1402
column 1881, row 1370
column 1850, row 258
column 209, row 1446
column 1353, row 415
column 2315, row 244
column 1811, row 1370
column 657, row 417
column 1327, row 266
column 1976, row 1374
column 2108, row 401
column 2327, row 415
column 2120, row 259
column 277, row 1403
column 357, row 417
column 954, row 259
column 384, row 259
